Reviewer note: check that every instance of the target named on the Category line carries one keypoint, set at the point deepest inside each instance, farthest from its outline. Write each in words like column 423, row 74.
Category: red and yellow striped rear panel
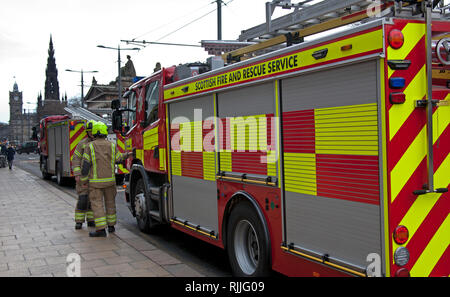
column 426, row 216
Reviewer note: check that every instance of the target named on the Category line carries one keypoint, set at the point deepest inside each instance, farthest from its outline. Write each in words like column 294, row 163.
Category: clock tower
column 15, row 114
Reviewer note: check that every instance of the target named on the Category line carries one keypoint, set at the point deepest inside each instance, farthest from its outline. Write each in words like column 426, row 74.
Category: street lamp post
column 118, row 63
column 82, row 82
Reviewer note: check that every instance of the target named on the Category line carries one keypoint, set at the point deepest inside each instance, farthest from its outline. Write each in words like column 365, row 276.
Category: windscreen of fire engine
column 151, row 99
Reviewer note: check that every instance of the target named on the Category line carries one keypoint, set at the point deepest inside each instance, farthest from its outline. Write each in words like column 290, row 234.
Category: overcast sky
column 78, row 26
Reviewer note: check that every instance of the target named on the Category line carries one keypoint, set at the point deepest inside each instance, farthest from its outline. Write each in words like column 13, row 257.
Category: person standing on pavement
column 3, row 148
column 99, row 159
column 3, row 154
column 83, row 211
column 10, row 152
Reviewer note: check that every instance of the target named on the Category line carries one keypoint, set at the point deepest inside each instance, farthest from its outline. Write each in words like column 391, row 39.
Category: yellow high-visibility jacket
column 98, row 163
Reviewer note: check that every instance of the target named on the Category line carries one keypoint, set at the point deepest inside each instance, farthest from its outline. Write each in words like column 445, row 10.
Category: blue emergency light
column 397, row 83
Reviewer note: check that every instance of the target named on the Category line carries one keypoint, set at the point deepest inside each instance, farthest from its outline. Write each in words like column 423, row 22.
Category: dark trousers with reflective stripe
column 83, row 213
column 103, row 203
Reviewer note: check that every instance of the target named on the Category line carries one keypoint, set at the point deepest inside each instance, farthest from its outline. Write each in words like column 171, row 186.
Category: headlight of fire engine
column 401, row 256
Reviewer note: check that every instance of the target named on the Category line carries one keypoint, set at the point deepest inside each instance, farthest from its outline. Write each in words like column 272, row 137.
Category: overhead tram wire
column 142, row 43
column 171, row 22
column 184, row 26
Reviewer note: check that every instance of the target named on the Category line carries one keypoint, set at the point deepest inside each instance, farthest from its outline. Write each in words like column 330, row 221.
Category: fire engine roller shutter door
column 192, row 165
column 247, row 140
column 331, row 165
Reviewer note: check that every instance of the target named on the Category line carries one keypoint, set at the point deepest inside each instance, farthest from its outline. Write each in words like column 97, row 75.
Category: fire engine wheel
column 141, row 208
column 45, row 174
column 247, row 244
column 59, row 177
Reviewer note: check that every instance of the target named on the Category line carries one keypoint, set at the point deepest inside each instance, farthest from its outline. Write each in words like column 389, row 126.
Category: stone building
column 21, row 121
column 98, row 98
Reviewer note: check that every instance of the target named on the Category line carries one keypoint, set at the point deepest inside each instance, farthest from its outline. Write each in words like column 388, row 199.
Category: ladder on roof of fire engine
column 82, row 113
column 308, row 20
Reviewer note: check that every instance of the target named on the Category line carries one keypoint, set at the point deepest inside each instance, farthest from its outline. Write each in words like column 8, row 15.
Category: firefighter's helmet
column 100, row 129
column 90, row 125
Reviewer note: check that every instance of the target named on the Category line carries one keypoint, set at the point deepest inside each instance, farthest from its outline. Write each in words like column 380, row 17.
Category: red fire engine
column 325, row 158
column 59, row 136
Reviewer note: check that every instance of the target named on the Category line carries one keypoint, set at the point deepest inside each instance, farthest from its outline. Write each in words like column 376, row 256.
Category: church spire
column 51, row 73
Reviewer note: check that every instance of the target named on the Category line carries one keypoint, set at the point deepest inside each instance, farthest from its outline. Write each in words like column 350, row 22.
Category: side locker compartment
column 331, row 166
column 246, row 144
column 51, row 149
column 58, row 142
column 193, row 165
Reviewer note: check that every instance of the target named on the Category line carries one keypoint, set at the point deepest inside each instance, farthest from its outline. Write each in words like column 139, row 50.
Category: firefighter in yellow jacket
column 83, row 210
column 98, row 165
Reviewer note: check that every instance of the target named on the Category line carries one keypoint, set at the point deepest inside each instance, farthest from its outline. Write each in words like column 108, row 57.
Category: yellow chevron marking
column 408, row 163
column 121, row 144
column 433, row 252
column 399, row 113
column 123, row 169
column 413, row 33
column 75, row 130
column 75, row 142
column 425, row 203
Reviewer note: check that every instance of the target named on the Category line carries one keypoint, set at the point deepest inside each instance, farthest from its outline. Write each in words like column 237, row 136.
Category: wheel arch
column 244, row 197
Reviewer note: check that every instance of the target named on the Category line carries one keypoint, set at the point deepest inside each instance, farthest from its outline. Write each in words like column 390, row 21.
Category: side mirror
column 115, row 104
column 116, row 120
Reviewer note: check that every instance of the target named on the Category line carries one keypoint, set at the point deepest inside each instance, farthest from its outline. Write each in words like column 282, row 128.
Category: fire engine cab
column 328, row 157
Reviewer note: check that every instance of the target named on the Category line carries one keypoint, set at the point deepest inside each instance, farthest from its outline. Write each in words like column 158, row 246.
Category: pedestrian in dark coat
column 3, row 149
column 10, row 152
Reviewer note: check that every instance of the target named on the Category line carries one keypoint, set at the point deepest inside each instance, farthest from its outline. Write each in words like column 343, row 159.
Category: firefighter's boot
column 91, row 224
column 98, row 233
column 111, row 229
column 78, row 226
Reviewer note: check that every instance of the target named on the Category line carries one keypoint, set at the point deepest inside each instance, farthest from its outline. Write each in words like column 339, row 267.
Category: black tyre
column 141, row 207
column 247, row 243
column 43, row 166
column 60, row 179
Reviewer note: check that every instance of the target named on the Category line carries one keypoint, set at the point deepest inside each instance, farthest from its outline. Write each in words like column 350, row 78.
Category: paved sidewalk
column 37, row 234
